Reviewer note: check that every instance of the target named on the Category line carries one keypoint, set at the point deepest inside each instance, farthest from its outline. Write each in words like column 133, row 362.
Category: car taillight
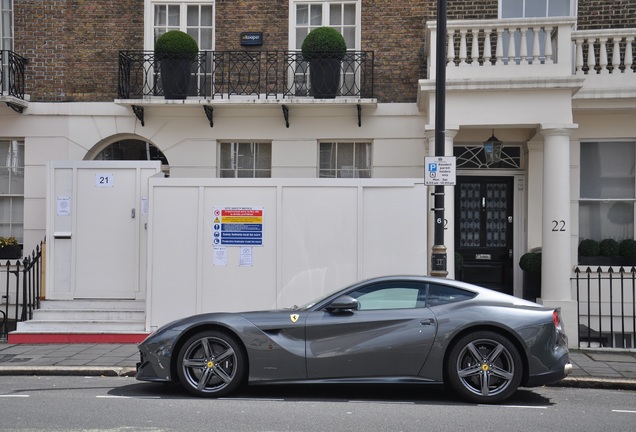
column 556, row 316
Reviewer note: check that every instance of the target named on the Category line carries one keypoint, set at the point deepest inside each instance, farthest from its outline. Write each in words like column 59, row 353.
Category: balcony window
column 309, row 15
column 345, row 160
column 246, row 160
column 6, row 39
column 194, row 18
column 607, row 190
column 12, row 189
column 536, row 8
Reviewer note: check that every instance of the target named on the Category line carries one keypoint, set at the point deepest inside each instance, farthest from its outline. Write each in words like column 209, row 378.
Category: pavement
column 600, row 368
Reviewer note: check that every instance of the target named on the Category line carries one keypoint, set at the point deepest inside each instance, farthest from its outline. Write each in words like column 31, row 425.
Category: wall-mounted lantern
column 492, row 149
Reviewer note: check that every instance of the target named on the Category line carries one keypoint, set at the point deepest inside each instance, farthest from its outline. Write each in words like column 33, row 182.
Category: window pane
column 193, row 16
column 264, row 156
column 316, row 15
column 558, row 8
column 160, row 16
column 302, row 15
column 335, row 14
column 173, row 16
column 511, row 8
column 349, row 14
column 536, row 8
column 607, row 170
column 601, row 220
column 327, row 157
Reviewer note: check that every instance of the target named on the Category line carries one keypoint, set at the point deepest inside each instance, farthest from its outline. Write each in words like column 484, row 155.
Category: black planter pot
column 11, row 252
column 531, row 286
column 324, row 77
column 175, row 77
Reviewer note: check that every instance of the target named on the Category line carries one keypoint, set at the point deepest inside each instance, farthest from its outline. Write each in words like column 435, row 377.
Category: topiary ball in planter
column 324, row 48
column 531, row 262
column 176, row 51
column 627, row 248
column 589, row 248
column 609, row 248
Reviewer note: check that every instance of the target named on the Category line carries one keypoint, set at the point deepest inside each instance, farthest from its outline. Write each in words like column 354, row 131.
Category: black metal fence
column 22, row 292
column 223, row 74
column 606, row 306
column 12, row 74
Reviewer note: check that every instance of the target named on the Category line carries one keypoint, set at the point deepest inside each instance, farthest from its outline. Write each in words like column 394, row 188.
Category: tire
column 484, row 367
column 211, row 364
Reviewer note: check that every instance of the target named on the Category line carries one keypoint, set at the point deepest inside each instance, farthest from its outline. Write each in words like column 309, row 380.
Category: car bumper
column 561, row 369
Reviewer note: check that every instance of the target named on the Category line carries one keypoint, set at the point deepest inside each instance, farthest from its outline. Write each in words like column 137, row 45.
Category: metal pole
column 438, row 255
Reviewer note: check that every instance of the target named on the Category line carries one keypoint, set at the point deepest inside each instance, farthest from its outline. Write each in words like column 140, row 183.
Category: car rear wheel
column 211, row 364
column 484, row 367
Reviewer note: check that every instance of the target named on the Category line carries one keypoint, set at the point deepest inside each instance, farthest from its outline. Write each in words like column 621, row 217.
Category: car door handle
column 428, row 321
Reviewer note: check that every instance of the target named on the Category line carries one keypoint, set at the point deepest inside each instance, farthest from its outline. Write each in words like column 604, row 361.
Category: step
column 80, row 326
column 88, row 314
column 94, row 304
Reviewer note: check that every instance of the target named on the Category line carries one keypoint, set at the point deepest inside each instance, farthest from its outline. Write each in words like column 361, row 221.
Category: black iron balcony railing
column 223, row 74
column 12, row 74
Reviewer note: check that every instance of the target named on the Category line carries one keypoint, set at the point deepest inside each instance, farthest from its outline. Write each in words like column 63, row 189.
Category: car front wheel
column 211, row 364
column 484, row 367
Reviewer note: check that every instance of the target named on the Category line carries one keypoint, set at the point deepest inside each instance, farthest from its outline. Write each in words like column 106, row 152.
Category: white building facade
column 561, row 100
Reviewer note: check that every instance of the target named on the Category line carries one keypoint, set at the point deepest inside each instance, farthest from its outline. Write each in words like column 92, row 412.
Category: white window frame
column 17, row 169
column 325, row 13
column 607, row 200
column 573, row 8
column 354, row 169
column 149, row 18
column 235, row 168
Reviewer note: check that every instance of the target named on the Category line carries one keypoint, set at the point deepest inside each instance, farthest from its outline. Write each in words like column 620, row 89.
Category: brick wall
column 606, row 14
column 72, row 45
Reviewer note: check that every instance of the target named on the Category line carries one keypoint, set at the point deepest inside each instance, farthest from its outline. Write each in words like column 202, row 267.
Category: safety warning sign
column 237, row 226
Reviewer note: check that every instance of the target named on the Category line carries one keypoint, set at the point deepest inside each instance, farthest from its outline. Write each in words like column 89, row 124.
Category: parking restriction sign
column 440, row 171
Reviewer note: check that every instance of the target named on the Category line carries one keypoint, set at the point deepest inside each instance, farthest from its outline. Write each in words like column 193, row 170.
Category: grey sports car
column 397, row 329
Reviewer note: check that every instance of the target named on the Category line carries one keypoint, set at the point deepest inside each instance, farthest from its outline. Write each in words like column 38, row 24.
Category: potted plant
column 324, row 48
column 176, row 51
column 530, row 263
column 9, row 248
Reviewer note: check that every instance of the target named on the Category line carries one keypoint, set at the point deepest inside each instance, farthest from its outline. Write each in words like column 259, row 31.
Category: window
column 246, row 160
column 12, row 189
column 442, row 294
column 535, row 8
column 6, row 39
column 607, row 190
column 194, row 18
column 345, row 160
column 343, row 16
column 384, row 296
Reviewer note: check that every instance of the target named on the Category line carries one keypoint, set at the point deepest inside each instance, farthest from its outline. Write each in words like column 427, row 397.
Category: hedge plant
column 324, row 42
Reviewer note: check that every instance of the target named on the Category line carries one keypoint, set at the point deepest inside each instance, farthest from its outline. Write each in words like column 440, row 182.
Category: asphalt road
column 124, row 404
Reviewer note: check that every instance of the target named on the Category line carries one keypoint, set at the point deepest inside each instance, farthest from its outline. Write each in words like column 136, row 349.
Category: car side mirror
column 343, row 303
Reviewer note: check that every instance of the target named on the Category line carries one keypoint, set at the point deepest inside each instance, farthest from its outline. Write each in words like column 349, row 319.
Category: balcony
column 513, row 52
column 12, row 80
column 244, row 75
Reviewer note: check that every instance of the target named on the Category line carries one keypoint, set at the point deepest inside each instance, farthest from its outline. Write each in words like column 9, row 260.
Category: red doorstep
column 66, row 338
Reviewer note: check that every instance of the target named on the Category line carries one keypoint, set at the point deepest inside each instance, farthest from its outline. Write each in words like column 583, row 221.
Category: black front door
column 483, row 223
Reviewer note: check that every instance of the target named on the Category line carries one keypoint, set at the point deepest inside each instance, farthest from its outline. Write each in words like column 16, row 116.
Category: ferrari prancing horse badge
column 294, row 317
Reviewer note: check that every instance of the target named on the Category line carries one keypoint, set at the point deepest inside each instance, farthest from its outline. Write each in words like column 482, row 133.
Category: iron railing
column 22, row 292
column 224, row 74
column 12, row 68
column 606, row 306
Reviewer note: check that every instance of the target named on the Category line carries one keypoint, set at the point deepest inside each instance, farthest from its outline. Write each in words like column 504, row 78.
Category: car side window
column 443, row 294
column 387, row 297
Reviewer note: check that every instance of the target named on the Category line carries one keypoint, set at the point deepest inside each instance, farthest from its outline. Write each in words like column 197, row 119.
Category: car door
column 389, row 335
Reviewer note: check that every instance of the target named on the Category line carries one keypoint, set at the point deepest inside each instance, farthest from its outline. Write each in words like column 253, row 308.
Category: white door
column 99, row 246
column 107, row 235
